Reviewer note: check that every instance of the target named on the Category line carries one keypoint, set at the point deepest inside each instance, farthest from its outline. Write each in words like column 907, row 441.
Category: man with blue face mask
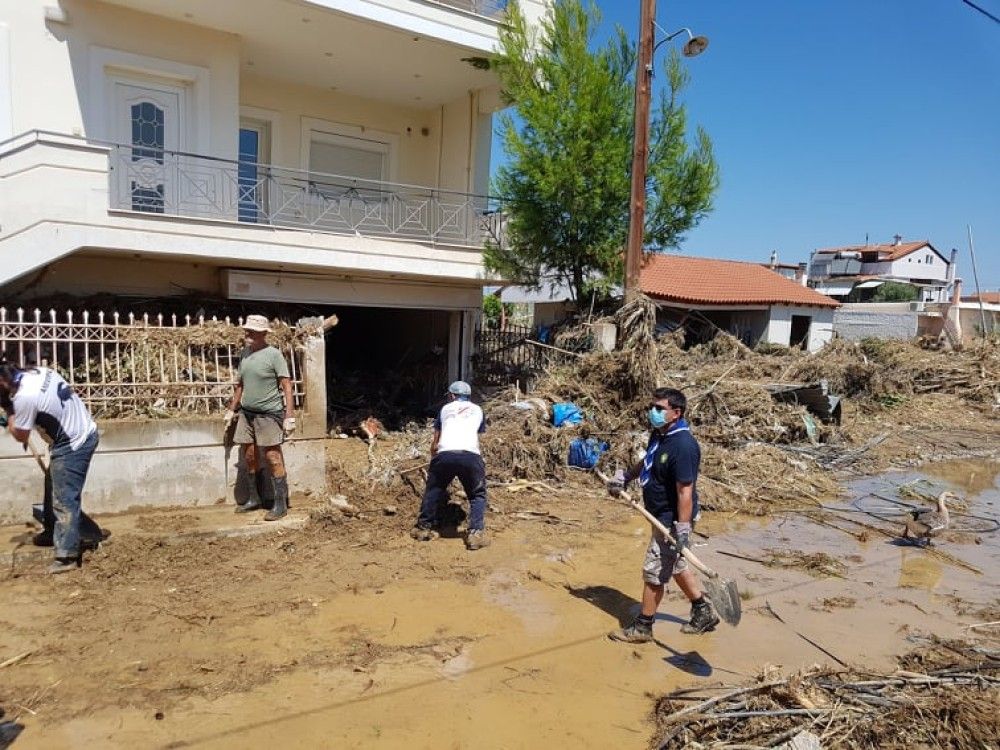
column 668, row 475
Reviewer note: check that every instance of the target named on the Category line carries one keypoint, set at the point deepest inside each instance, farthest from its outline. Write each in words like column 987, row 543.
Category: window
column 346, row 156
column 252, row 177
column 929, row 258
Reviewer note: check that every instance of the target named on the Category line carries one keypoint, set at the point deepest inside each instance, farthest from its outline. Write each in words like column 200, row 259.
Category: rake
column 722, row 592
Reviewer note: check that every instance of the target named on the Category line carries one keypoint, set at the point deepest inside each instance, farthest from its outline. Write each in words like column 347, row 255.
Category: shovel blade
column 725, row 597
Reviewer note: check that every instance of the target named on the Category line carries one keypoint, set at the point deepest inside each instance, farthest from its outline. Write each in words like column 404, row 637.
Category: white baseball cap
column 257, row 323
column 460, row 388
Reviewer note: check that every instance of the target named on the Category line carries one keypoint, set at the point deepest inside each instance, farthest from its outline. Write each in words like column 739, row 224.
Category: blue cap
column 460, row 388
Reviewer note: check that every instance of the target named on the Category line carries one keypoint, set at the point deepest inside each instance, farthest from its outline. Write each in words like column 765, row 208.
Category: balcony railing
column 488, row 8
column 170, row 183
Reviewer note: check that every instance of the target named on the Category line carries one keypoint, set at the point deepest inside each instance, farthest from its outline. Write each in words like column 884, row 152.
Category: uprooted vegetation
column 757, row 454
column 944, row 694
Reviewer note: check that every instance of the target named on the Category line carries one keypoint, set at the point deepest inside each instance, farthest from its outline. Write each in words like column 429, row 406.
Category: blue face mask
column 657, row 418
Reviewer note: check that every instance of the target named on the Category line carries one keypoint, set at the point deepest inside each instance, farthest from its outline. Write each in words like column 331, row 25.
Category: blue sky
column 833, row 119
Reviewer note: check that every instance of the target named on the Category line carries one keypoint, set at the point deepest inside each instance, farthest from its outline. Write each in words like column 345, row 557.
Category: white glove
column 228, row 417
column 289, row 425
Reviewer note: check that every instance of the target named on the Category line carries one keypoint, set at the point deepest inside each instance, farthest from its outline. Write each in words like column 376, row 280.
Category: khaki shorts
column 662, row 561
column 265, row 430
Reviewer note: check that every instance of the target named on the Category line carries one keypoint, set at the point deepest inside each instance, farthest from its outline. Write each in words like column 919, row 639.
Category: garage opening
column 800, row 331
column 386, row 362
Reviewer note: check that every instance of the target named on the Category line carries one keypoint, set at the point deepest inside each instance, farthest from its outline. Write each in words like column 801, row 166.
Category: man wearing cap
column 263, row 399
column 455, row 453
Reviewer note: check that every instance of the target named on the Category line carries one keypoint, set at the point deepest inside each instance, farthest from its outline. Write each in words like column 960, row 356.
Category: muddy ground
column 338, row 630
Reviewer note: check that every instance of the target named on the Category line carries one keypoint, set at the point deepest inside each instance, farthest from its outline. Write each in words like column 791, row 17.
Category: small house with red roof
column 854, row 273
column 748, row 300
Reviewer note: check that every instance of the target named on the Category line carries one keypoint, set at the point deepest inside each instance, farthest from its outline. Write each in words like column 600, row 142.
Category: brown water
column 519, row 657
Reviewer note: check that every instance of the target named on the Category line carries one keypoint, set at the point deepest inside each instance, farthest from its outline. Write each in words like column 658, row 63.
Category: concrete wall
column 153, row 464
column 885, row 321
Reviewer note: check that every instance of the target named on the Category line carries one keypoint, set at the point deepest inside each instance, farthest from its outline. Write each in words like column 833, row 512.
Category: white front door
column 148, row 120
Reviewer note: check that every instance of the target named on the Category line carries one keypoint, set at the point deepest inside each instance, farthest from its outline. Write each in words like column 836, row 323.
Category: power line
column 982, row 10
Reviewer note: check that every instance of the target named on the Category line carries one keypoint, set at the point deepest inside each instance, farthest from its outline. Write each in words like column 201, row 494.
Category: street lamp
column 694, row 46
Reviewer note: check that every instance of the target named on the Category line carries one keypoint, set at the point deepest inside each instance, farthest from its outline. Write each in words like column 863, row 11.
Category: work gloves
column 616, row 485
column 228, row 417
column 3, row 421
column 682, row 536
column 289, row 425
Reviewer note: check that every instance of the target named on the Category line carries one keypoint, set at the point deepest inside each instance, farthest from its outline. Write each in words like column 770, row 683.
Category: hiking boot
column 637, row 632
column 476, row 539
column 64, row 565
column 703, row 620
column 423, row 535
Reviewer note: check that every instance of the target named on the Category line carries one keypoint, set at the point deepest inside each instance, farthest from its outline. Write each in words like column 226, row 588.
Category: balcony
column 63, row 194
column 487, row 8
column 192, row 186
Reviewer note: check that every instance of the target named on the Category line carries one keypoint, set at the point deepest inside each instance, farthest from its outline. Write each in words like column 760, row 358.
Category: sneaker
column 476, row 539
column 634, row 633
column 703, row 620
column 63, row 565
column 423, row 535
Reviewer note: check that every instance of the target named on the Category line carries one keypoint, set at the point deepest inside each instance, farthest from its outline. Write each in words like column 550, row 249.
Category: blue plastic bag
column 566, row 413
column 584, row 453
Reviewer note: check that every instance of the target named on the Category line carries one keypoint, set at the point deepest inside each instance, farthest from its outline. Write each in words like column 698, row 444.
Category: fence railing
column 171, row 183
column 148, row 366
column 503, row 356
column 488, row 8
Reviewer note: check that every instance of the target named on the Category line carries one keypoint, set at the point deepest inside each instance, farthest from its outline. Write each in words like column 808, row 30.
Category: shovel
column 722, row 592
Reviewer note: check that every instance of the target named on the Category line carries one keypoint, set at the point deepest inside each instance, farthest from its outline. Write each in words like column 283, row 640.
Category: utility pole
column 640, row 150
column 975, row 275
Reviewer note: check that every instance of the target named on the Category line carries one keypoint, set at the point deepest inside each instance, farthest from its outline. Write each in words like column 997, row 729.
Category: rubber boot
column 253, row 501
column 280, row 508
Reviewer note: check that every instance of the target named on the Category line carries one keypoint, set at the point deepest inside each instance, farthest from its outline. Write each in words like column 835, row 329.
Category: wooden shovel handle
column 658, row 525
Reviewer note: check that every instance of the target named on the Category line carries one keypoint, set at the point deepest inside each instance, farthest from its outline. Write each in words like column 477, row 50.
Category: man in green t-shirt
column 263, row 399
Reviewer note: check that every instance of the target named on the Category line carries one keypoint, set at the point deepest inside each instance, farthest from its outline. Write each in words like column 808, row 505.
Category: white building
column 332, row 152
column 839, row 271
column 748, row 300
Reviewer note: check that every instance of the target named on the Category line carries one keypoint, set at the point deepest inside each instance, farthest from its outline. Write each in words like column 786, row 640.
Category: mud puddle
column 426, row 646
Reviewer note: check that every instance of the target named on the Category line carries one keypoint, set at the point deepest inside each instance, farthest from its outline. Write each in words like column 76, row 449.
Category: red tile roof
column 989, row 298
column 705, row 281
column 887, row 251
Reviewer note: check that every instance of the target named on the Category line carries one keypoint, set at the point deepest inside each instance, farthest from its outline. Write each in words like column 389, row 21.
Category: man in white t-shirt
column 39, row 397
column 455, row 453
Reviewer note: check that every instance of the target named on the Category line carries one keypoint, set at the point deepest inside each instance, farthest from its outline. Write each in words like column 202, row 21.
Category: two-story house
column 327, row 152
column 840, row 271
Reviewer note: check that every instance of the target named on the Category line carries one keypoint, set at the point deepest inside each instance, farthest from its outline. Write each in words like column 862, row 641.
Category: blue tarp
column 585, row 452
column 566, row 413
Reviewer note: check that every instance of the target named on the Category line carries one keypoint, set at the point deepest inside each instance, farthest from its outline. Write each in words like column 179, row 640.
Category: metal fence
column 127, row 366
column 503, row 356
column 488, row 8
column 173, row 183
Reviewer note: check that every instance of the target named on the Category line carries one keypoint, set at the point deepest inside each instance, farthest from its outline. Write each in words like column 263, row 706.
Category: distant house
column 748, row 300
column 840, row 271
column 798, row 272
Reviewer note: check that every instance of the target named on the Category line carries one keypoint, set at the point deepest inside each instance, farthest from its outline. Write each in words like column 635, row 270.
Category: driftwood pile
column 945, row 695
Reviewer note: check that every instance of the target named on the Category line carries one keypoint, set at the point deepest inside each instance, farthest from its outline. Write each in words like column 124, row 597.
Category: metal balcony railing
column 488, row 8
column 170, row 183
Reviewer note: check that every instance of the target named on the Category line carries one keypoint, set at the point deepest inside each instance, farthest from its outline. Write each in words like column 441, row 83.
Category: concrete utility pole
column 640, row 149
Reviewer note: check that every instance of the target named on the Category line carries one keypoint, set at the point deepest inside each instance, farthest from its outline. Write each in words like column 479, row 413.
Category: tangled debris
column 757, row 454
column 943, row 695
